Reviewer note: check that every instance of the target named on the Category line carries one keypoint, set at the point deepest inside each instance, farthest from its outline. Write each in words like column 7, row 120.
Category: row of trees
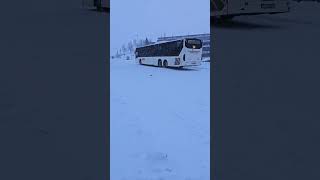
column 130, row 47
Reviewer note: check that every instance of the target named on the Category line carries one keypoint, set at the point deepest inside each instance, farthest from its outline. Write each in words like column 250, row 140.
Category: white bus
column 230, row 8
column 178, row 53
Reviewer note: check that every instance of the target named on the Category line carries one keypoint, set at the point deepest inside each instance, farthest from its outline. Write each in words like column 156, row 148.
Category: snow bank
column 160, row 121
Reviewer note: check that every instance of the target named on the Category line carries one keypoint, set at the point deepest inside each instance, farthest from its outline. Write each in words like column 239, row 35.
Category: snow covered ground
column 160, row 122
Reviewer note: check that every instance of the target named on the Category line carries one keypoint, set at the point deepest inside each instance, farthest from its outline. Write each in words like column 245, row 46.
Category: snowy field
column 160, row 122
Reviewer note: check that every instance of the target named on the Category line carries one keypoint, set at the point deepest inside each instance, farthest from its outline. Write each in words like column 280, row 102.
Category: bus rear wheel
column 159, row 63
column 140, row 61
column 165, row 63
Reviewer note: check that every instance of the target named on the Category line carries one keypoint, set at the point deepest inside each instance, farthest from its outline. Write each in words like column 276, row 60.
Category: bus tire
column 165, row 63
column 159, row 63
column 140, row 62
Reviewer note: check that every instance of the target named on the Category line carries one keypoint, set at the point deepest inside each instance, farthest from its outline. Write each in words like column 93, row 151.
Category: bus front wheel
column 140, row 61
column 159, row 63
column 165, row 63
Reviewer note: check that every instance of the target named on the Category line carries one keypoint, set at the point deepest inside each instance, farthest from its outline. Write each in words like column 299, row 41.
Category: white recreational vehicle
column 178, row 53
column 231, row 8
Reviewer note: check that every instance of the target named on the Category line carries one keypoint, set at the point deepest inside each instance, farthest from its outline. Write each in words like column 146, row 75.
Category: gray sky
column 130, row 19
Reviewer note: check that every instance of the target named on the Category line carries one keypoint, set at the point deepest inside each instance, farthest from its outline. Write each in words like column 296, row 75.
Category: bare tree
column 135, row 43
column 124, row 49
column 130, row 47
column 146, row 42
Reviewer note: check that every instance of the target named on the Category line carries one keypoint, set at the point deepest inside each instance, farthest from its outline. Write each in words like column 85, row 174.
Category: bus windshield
column 193, row 43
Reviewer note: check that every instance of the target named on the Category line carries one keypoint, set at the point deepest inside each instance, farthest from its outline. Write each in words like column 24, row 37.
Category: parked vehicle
column 177, row 53
column 230, row 8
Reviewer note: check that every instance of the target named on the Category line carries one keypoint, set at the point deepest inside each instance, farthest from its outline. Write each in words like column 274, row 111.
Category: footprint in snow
column 157, row 156
column 162, row 170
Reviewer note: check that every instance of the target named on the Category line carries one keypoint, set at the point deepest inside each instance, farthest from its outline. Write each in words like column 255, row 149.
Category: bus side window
column 184, row 57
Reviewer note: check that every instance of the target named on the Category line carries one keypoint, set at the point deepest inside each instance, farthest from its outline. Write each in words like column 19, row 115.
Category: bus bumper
column 192, row 63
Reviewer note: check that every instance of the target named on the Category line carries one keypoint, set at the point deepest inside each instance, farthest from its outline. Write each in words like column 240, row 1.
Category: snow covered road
column 160, row 122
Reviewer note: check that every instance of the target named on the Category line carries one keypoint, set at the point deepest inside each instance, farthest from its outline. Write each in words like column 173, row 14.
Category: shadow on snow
column 237, row 24
column 173, row 68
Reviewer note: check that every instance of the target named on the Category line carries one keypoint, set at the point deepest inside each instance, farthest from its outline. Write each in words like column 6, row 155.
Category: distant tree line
column 131, row 45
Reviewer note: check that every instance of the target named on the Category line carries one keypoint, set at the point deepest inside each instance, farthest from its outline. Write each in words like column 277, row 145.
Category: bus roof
column 160, row 42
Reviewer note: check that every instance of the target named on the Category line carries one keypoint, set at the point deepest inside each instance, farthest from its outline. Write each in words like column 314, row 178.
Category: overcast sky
column 132, row 19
